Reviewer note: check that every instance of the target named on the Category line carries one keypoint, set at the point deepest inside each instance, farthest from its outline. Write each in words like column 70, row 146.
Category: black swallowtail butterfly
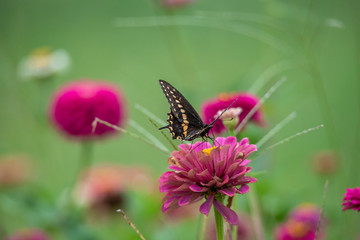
column 185, row 123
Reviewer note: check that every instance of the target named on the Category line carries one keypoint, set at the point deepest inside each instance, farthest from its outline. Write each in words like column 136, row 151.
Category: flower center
column 208, row 150
column 225, row 96
column 297, row 229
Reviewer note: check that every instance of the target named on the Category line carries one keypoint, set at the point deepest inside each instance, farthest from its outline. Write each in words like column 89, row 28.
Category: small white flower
column 43, row 63
column 230, row 118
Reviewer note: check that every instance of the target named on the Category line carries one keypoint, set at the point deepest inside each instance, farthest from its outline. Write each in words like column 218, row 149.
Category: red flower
column 76, row 105
column 246, row 102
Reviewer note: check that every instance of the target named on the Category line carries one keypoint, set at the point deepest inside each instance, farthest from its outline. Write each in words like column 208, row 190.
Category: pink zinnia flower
column 351, row 199
column 103, row 187
column 202, row 171
column 246, row 102
column 302, row 224
column 76, row 105
column 29, row 234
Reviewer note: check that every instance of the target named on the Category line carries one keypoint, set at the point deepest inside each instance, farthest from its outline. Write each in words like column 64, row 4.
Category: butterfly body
column 184, row 123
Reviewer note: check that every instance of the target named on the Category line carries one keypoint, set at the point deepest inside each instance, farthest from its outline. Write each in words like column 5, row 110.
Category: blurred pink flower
column 175, row 3
column 302, row 224
column 246, row 102
column 103, row 188
column 29, row 234
column 202, row 171
column 351, row 199
column 14, row 169
column 75, row 105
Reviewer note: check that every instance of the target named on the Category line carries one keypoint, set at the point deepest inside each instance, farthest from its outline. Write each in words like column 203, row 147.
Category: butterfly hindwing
column 175, row 127
column 184, row 122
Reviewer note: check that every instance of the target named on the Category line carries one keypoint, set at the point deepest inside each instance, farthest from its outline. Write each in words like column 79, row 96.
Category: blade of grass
column 162, row 133
column 147, row 134
column 293, row 136
column 322, row 210
column 131, row 223
column 275, row 130
column 259, row 104
column 117, row 128
column 150, row 114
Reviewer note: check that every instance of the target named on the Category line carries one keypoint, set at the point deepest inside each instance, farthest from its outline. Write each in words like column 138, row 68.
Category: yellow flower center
column 41, row 52
column 208, row 150
column 297, row 229
column 225, row 96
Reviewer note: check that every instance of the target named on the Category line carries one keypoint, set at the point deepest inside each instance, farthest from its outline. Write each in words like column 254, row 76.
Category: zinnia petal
column 226, row 212
column 243, row 189
column 206, row 206
column 228, row 191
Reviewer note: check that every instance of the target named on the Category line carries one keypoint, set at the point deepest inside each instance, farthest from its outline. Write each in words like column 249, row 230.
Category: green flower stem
column 86, row 156
column 219, row 225
column 202, row 227
column 234, row 228
column 232, row 132
column 85, row 160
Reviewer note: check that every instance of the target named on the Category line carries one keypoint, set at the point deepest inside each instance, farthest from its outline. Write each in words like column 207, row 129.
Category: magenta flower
column 351, row 199
column 76, row 105
column 301, row 224
column 246, row 102
column 202, row 171
column 29, row 234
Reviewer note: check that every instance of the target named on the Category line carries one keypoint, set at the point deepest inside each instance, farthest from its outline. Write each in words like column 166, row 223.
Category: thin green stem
column 85, row 160
column 86, row 156
column 256, row 215
column 202, row 227
column 234, row 228
column 219, row 221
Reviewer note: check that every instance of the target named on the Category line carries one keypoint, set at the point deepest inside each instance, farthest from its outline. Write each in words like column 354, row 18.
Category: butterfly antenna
column 224, row 111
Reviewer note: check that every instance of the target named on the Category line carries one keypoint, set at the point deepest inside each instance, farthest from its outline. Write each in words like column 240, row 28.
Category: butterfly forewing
column 184, row 122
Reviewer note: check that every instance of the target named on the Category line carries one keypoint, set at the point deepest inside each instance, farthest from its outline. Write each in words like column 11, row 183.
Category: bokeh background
column 203, row 48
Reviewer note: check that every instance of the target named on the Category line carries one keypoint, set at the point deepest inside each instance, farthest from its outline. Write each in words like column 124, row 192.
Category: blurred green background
column 203, row 49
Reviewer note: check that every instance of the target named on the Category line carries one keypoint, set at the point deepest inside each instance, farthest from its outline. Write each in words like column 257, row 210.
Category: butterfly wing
column 183, row 119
